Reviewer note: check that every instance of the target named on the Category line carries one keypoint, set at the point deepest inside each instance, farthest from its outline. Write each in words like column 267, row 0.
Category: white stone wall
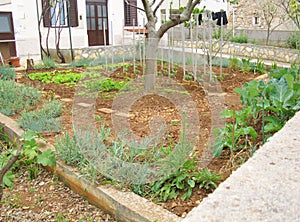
column 245, row 12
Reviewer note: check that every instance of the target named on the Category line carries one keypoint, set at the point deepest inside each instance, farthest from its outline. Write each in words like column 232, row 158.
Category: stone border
column 123, row 206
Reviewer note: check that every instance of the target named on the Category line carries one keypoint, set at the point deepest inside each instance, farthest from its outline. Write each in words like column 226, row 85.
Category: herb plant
column 42, row 120
column 7, row 73
column 14, row 98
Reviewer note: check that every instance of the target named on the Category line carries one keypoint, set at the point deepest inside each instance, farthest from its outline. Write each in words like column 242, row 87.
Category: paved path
column 265, row 188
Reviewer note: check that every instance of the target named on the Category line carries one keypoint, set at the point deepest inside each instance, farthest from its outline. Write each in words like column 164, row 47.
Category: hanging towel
column 200, row 19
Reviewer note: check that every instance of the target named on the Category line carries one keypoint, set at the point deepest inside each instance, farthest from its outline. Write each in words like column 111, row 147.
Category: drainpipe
column 38, row 17
column 69, row 26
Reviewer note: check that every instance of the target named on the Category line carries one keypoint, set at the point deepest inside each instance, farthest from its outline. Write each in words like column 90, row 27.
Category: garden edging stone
column 123, row 206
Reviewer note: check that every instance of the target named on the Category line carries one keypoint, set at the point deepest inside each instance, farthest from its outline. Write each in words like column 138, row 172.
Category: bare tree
column 273, row 16
column 292, row 9
column 155, row 34
column 56, row 16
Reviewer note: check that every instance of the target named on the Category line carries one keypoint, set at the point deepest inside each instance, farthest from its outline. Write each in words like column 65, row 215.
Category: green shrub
column 81, row 63
column 48, row 63
column 234, row 63
column 15, row 98
column 7, row 73
column 294, row 41
column 43, row 120
column 242, row 38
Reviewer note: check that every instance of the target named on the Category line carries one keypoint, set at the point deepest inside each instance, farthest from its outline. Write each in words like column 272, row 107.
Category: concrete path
column 265, row 188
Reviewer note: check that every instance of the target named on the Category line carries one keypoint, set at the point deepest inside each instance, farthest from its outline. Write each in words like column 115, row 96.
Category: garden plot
column 184, row 189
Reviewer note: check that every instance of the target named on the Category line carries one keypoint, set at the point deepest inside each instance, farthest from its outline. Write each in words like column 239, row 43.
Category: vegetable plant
column 267, row 106
column 27, row 153
column 56, row 76
column 185, row 179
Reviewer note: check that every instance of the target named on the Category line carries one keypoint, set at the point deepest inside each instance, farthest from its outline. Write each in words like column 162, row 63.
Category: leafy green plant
column 271, row 103
column 234, row 135
column 259, row 67
column 105, row 84
column 242, row 38
column 234, row 63
column 56, row 76
column 42, row 120
column 25, row 154
column 184, row 180
column 294, row 41
column 7, row 73
column 14, row 98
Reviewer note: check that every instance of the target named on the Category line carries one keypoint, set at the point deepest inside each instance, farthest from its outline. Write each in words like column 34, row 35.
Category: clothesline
column 221, row 18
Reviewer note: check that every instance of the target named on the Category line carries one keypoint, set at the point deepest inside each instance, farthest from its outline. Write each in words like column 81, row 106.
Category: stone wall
column 97, row 52
column 248, row 51
column 252, row 15
column 231, row 49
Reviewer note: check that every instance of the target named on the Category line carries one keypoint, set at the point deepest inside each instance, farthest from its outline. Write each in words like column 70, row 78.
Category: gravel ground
column 45, row 198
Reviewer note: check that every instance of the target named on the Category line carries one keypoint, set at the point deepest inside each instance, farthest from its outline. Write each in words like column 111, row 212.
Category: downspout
column 69, row 26
column 38, row 17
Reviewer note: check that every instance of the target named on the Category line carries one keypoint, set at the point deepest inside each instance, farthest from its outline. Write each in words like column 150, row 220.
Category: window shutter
column 130, row 12
column 133, row 14
column 46, row 13
column 73, row 13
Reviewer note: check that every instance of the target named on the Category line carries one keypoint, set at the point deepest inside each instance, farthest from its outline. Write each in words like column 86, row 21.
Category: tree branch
column 183, row 17
column 157, row 7
column 7, row 167
column 153, row 2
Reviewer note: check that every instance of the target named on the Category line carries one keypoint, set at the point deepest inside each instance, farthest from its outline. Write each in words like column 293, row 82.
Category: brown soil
column 152, row 105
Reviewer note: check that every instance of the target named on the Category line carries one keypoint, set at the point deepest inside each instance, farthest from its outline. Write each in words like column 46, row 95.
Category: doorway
column 97, row 22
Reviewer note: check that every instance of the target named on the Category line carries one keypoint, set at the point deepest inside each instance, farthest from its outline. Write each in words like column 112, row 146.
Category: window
column 5, row 23
column 130, row 12
column 256, row 20
column 58, row 13
column 55, row 13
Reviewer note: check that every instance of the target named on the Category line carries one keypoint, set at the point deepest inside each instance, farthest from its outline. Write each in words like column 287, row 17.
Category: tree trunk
column 151, row 62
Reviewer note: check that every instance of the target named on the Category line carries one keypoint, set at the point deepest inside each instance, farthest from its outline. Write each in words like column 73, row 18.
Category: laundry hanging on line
column 221, row 17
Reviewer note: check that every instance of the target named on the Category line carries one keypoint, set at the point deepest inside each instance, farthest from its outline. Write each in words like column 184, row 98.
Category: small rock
column 183, row 214
column 85, row 105
column 173, row 205
column 106, row 110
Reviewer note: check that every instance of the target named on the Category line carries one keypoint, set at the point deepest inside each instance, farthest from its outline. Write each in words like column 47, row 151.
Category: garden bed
column 149, row 106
